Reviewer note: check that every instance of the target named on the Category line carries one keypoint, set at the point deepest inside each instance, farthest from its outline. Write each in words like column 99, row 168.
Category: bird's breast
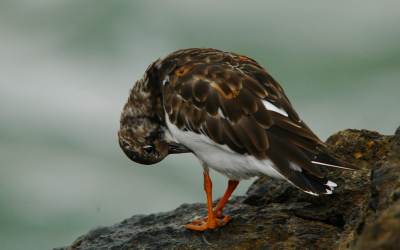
column 221, row 158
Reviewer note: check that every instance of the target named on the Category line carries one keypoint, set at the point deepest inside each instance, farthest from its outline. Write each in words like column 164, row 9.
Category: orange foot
column 212, row 221
column 206, row 223
column 201, row 225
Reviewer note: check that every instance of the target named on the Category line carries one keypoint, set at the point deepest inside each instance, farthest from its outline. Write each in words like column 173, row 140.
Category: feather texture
column 235, row 103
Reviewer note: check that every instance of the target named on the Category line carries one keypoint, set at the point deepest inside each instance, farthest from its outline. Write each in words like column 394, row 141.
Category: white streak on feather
column 166, row 79
column 168, row 134
column 241, row 71
column 329, row 165
column 331, row 184
column 220, row 113
column 295, row 167
column 309, row 192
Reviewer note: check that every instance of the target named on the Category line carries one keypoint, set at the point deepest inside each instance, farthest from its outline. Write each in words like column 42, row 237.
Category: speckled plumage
column 226, row 109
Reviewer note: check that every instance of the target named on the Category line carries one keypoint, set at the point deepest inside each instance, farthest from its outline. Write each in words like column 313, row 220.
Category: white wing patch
column 271, row 107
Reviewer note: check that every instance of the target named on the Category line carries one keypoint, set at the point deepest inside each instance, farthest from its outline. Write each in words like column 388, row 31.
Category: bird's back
column 228, row 101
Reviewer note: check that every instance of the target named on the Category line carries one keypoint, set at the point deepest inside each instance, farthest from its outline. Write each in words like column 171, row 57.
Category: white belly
column 221, row 158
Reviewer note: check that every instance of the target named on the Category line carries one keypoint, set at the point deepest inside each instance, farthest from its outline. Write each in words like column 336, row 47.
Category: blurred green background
column 66, row 68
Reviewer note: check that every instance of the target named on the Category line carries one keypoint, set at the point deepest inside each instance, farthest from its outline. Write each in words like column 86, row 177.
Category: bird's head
column 141, row 148
column 143, row 135
column 147, row 143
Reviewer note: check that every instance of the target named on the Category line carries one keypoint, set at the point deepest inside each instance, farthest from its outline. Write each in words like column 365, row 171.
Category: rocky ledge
column 362, row 213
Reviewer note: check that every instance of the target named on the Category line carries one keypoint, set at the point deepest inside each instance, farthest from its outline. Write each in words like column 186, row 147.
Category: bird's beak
column 177, row 148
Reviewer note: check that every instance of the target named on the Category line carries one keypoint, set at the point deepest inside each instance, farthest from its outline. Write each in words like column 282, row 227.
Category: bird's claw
column 201, row 225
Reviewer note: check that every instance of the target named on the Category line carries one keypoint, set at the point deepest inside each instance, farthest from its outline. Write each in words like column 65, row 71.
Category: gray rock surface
column 362, row 213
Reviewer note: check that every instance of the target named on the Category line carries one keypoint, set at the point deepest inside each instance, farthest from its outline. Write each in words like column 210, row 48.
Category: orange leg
column 212, row 221
column 231, row 187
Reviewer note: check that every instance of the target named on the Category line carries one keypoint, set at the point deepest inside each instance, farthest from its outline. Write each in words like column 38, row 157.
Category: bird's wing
column 232, row 100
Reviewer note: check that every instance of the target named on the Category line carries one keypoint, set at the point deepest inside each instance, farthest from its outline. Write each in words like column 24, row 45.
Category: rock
column 362, row 213
column 381, row 218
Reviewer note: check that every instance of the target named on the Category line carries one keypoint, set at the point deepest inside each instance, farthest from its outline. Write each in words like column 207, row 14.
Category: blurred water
column 67, row 66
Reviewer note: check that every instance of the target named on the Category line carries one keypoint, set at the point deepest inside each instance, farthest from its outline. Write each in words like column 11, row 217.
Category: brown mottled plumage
column 227, row 110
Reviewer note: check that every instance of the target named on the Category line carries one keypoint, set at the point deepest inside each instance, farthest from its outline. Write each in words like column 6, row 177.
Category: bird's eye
column 148, row 149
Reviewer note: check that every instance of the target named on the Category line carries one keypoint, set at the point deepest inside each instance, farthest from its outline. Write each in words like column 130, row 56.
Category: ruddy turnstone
column 229, row 112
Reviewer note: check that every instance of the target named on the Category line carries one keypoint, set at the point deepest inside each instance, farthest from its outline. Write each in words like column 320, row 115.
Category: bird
column 228, row 111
